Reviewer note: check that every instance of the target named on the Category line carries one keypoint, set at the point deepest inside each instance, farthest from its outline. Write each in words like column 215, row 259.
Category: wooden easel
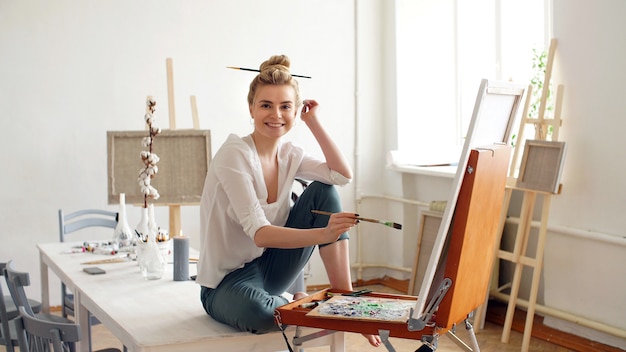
column 518, row 256
column 175, row 223
column 466, row 263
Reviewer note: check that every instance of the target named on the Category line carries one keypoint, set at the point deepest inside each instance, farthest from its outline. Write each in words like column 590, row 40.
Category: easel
column 518, row 256
column 175, row 223
column 460, row 285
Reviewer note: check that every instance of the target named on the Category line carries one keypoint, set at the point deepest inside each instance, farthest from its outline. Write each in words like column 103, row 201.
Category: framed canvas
column 541, row 166
column 184, row 161
column 496, row 110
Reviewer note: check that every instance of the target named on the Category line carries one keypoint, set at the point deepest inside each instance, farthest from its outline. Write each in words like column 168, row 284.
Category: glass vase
column 151, row 262
column 152, row 225
column 141, row 231
column 123, row 236
column 142, row 225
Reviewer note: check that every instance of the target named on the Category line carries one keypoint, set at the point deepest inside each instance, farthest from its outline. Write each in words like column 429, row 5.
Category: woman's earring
column 252, row 120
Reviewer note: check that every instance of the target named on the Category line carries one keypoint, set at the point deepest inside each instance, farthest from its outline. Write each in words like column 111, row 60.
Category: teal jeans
column 247, row 297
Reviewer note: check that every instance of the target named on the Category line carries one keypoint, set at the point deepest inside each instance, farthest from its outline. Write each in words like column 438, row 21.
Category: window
column 445, row 48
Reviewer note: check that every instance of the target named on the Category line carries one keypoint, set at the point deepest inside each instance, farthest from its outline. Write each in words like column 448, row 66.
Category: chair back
column 6, row 338
column 16, row 281
column 72, row 222
column 38, row 335
column 85, row 218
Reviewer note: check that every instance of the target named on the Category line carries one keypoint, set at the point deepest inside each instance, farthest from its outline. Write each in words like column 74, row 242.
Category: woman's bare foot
column 374, row 340
column 299, row 295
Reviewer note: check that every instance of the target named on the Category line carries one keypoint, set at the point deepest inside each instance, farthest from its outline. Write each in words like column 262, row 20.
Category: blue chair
column 73, row 222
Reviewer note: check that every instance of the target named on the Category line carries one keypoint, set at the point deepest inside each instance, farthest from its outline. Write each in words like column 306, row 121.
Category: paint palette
column 364, row 308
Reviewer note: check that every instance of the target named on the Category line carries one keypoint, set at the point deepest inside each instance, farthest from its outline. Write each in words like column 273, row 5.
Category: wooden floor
column 488, row 338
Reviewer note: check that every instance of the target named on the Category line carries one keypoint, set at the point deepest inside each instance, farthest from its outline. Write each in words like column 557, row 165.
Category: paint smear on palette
column 364, row 308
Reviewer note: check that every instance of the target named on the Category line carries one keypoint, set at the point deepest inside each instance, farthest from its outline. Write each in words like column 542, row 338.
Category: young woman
column 253, row 243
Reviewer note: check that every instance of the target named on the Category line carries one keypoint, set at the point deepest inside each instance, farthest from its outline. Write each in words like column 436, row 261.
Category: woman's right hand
column 338, row 224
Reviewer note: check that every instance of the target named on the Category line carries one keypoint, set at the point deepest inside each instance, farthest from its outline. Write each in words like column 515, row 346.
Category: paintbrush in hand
column 395, row 225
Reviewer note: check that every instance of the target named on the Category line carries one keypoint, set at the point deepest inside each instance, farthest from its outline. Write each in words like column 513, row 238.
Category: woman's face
column 274, row 110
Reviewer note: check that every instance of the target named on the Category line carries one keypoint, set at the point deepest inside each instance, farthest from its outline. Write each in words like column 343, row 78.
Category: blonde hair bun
column 274, row 71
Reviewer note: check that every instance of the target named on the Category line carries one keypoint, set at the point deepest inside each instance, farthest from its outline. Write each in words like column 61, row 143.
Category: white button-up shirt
column 234, row 203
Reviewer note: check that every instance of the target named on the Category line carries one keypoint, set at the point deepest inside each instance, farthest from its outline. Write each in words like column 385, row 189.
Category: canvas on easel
column 185, row 157
column 459, row 267
column 541, row 167
column 495, row 112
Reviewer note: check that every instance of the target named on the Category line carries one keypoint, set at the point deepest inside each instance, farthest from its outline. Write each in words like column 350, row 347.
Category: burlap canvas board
column 184, row 161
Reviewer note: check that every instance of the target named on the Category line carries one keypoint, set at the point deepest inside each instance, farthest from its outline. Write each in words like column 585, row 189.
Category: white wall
column 71, row 70
column 586, row 253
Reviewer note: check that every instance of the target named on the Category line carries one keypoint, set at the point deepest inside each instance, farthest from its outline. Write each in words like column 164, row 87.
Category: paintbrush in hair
column 255, row 70
column 395, row 225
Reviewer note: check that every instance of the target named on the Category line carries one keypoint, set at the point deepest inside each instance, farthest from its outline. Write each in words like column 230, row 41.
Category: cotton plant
column 148, row 157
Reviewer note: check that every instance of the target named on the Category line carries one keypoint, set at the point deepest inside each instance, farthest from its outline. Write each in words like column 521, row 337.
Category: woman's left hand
column 309, row 110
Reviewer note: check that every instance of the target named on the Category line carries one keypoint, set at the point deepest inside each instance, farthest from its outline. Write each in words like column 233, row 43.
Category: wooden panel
column 184, row 161
column 472, row 240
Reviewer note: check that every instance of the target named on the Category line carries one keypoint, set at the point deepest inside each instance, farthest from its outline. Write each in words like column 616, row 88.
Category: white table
column 151, row 315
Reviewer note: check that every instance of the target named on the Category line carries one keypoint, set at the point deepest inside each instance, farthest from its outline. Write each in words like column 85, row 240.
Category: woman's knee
column 322, row 194
column 253, row 313
column 257, row 316
column 322, row 188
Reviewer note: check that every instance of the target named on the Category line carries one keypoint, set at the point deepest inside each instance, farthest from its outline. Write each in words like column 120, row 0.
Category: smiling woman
column 254, row 243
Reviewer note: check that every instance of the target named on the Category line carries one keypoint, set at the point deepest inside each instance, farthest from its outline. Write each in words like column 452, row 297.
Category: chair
column 16, row 281
column 39, row 335
column 9, row 305
column 71, row 223
column 8, row 337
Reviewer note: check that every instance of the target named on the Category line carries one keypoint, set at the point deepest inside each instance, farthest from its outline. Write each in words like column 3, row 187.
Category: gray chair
column 9, row 305
column 39, row 335
column 8, row 337
column 16, row 281
column 78, row 220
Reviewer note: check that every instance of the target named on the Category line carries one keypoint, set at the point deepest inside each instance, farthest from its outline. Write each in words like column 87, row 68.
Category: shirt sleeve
column 317, row 170
column 234, row 170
